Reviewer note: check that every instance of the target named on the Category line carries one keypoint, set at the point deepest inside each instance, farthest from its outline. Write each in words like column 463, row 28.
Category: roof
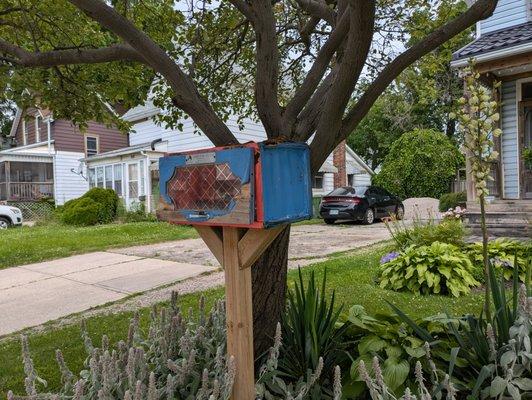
column 122, row 151
column 502, row 39
column 146, row 110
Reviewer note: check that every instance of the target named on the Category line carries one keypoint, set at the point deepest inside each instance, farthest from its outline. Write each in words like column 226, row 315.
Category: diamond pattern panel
column 203, row 187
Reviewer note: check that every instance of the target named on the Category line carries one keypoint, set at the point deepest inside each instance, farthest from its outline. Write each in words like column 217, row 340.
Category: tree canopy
column 302, row 67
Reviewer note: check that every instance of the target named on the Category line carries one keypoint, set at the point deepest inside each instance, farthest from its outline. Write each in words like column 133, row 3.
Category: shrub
column 82, row 212
column 104, row 200
column 452, row 200
column 423, row 233
column 421, row 163
column 438, row 268
column 502, row 252
column 108, row 199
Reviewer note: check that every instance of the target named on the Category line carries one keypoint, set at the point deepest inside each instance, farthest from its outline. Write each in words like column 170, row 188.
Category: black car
column 361, row 203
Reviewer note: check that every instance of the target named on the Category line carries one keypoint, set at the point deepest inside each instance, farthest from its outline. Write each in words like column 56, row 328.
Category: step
column 523, row 218
column 502, row 230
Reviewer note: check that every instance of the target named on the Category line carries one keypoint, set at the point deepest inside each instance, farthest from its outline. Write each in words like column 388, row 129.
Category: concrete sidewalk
column 36, row 293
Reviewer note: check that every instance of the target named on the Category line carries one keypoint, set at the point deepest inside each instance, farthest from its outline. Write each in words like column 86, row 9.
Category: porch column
column 8, row 180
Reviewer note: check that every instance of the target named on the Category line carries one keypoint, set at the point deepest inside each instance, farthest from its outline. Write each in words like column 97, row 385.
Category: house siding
column 508, row 13
column 68, row 137
column 29, row 117
column 509, row 141
column 68, row 185
column 188, row 138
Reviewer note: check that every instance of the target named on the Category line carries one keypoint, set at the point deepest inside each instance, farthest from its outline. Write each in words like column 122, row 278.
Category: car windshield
column 349, row 191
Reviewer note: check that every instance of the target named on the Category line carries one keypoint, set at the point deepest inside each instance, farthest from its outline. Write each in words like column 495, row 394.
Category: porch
column 26, row 180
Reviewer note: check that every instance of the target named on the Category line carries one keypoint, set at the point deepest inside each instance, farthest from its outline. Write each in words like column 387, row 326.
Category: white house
column 133, row 171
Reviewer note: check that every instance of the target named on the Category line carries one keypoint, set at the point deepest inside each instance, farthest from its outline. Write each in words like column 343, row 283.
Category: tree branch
column 244, row 8
column 361, row 20
column 318, row 8
column 267, row 60
column 481, row 9
column 317, row 71
column 187, row 97
column 53, row 58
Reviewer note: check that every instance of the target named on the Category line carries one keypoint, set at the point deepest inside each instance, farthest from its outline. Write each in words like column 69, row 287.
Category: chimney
column 340, row 177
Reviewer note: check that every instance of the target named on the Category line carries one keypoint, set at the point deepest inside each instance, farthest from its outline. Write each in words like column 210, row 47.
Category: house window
column 37, row 129
column 24, row 133
column 91, row 145
column 99, row 177
column 92, row 177
column 109, row 177
column 133, row 184
column 351, row 180
column 117, row 169
column 317, row 182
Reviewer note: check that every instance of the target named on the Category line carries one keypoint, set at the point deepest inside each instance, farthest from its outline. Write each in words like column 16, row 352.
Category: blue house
column 502, row 51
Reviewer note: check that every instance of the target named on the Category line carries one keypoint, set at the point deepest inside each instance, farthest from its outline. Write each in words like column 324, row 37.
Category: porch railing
column 14, row 191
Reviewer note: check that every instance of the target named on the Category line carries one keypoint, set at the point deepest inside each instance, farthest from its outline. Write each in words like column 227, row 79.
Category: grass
column 350, row 275
column 40, row 243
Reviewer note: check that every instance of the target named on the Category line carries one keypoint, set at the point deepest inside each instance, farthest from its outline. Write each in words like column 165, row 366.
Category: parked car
column 10, row 216
column 361, row 203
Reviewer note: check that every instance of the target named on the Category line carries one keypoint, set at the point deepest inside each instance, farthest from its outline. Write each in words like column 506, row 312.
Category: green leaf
column 498, row 386
column 371, row 344
column 395, row 371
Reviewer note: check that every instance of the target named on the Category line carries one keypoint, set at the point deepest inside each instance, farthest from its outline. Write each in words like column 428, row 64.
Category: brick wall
column 340, row 178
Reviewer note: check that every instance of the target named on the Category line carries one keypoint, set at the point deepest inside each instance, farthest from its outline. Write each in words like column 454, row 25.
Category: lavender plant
column 181, row 358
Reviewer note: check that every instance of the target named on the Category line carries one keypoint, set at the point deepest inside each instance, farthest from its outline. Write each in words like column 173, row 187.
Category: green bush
column 423, row 233
column 107, row 207
column 452, row 200
column 421, row 163
column 108, row 199
column 438, row 268
column 502, row 252
column 82, row 211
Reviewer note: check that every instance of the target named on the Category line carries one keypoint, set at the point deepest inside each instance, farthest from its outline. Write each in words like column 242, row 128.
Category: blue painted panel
column 286, row 182
column 240, row 162
column 507, row 13
column 509, row 152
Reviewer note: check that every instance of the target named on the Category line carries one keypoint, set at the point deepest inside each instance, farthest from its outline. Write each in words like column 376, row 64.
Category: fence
column 34, row 210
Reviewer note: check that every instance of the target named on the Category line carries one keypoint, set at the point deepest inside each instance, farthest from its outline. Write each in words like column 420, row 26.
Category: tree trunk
column 484, row 229
column 269, row 290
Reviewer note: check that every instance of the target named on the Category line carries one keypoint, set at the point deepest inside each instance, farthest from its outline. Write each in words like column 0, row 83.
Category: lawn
column 350, row 275
column 39, row 243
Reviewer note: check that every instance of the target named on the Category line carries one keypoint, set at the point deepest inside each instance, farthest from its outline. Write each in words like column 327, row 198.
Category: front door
column 525, row 146
column 132, row 185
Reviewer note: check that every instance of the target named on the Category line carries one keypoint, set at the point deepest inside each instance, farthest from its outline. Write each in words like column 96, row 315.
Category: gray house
column 502, row 51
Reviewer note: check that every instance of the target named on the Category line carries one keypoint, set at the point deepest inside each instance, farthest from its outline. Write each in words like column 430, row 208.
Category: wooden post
column 238, row 298
column 236, row 250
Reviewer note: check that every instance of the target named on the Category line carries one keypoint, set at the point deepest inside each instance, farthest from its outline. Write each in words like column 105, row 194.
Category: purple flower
column 389, row 257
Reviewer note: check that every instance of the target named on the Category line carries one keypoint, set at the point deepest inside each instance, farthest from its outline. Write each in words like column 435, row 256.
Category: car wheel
column 369, row 216
column 399, row 213
column 329, row 221
column 4, row 223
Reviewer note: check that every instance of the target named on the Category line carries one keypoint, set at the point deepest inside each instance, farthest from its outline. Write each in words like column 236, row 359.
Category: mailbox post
column 239, row 199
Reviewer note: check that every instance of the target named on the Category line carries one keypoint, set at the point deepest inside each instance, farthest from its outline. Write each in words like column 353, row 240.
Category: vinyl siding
column 188, row 138
column 68, row 185
column 510, row 165
column 68, row 137
column 508, row 13
column 29, row 117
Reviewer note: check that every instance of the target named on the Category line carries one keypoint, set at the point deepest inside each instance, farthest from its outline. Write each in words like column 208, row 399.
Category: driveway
column 33, row 294
column 307, row 242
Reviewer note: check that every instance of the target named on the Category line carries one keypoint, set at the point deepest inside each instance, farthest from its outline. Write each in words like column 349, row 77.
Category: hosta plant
column 440, row 268
column 503, row 253
column 386, row 337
